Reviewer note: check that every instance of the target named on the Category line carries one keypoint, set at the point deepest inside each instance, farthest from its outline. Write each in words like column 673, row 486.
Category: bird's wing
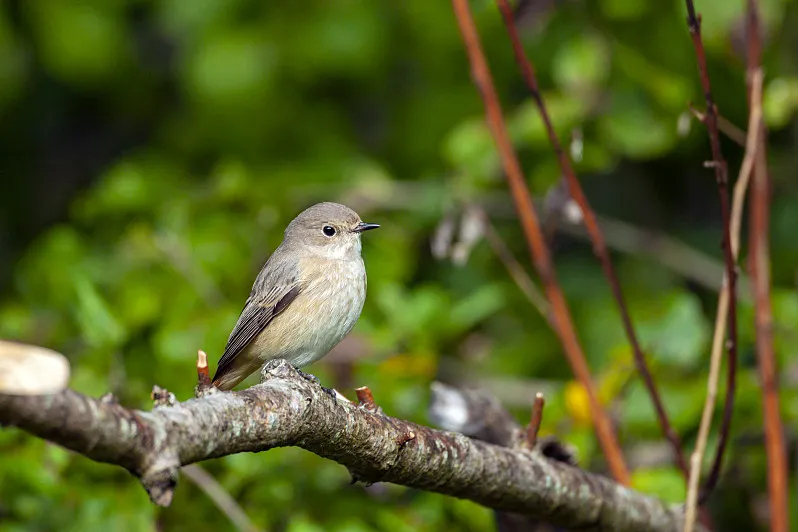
column 275, row 288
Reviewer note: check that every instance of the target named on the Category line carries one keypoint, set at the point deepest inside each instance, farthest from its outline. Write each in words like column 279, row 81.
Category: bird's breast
column 328, row 306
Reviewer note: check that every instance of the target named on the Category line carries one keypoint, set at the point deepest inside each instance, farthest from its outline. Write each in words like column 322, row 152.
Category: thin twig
column 203, row 374
column 514, row 268
column 220, row 497
column 535, row 421
column 365, row 398
column 737, row 135
column 596, row 236
column 721, row 175
column 738, row 202
column 759, row 257
column 540, row 254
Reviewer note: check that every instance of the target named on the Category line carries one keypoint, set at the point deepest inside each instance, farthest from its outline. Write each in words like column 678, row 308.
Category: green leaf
column 483, row 302
column 97, row 322
column 624, row 9
column 632, row 128
column 683, row 403
column 526, row 126
column 301, row 523
column 667, row 88
column 470, row 146
column 673, row 328
column 780, row 101
column 232, row 69
column 785, row 315
column 82, row 44
column 664, row 482
column 582, row 64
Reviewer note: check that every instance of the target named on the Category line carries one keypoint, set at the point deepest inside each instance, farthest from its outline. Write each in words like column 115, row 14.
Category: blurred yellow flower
column 577, row 403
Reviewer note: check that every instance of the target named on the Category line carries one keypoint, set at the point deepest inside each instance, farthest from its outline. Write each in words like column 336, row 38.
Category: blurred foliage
column 152, row 152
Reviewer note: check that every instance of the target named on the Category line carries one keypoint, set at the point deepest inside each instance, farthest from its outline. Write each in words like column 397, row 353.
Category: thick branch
column 288, row 410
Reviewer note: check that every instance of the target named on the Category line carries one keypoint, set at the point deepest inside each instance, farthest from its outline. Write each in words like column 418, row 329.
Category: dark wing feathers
column 274, row 289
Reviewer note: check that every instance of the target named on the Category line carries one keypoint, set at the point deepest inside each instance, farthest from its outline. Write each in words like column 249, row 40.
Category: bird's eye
column 328, row 230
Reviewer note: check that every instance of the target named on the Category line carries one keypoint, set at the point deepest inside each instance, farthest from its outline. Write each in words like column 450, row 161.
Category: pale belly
column 318, row 319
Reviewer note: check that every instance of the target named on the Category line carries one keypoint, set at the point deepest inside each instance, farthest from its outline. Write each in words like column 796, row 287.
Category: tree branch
column 288, row 410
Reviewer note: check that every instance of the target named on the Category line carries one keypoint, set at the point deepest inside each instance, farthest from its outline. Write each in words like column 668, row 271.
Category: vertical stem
column 740, row 187
column 778, row 486
column 540, row 254
column 721, row 176
column 596, row 236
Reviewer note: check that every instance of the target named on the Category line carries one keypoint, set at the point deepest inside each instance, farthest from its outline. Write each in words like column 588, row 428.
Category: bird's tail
column 227, row 380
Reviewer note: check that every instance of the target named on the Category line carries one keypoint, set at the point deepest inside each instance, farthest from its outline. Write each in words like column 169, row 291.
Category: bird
column 307, row 297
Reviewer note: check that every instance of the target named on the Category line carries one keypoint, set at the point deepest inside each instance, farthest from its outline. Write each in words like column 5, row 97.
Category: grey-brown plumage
column 306, row 298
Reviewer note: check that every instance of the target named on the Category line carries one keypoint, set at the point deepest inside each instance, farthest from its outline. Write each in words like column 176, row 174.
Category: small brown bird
column 306, row 298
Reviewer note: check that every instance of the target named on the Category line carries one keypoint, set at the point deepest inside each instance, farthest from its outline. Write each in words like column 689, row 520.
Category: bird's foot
column 308, row 377
column 329, row 391
column 315, row 380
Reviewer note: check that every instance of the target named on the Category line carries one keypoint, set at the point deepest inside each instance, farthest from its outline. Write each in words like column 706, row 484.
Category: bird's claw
column 315, row 380
column 308, row 377
column 331, row 392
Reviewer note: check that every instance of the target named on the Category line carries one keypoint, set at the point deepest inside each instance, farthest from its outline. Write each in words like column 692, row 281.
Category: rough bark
column 288, row 410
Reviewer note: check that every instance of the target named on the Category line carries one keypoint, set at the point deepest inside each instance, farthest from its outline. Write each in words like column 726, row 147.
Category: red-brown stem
column 534, row 421
column 203, row 374
column 759, row 265
column 596, row 236
column 365, row 398
column 721, row 176
column 561, row 316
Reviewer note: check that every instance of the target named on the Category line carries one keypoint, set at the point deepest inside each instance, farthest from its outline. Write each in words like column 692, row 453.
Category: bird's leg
column 315, row 380
column 308, row 377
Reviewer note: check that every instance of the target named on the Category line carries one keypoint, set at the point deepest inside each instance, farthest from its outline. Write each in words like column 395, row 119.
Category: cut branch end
column 365, row 398
column 204, row 384
column 534, row 422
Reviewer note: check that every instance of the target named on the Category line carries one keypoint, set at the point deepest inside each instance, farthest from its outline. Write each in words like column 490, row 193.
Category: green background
column 151, row 152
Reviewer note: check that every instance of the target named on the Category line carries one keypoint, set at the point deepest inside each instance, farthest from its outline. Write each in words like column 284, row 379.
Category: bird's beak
column 363, row 226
